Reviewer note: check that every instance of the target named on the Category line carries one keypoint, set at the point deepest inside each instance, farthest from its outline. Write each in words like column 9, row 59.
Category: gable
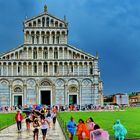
column 45, row 20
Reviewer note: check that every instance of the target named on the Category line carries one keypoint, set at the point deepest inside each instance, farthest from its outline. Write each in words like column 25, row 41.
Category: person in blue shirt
column 120, row 130
column 71, row 128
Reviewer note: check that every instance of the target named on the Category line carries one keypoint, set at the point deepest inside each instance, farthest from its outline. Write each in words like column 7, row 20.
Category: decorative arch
column 60, row 91
column 46, row 82
column 18, row 89
column 31, row 92
column 87, row 92
column 4, row 92
column 73, row 81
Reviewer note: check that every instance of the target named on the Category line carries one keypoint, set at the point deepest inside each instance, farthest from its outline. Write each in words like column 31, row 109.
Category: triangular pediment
column 36, row 21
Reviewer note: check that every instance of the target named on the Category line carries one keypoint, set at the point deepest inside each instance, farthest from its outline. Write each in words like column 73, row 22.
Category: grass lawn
column 130, row 118
column 6, row 119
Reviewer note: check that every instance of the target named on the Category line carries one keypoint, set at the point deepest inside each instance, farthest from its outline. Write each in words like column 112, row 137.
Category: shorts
column 54, row 120
column 44, row 132
column 36, row 130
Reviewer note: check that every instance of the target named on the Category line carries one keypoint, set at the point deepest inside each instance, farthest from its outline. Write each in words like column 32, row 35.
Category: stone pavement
column 11, row 133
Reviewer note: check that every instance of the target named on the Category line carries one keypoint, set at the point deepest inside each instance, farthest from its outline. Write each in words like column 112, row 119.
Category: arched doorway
column 45, row 93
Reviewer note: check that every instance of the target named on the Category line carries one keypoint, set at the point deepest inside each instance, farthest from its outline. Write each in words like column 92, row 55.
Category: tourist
column 36, row 128
column 48, row 116
column 54, row 119
column 28, row 120
column 90, row 124
column 71, row 128
column 120, row 130
column 82, row 131
column 98, row 133
column 18, row 119
column 44, row 126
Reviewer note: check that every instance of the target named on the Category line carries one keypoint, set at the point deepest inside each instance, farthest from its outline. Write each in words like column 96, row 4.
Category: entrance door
column 45, row 98
column 72, row 99
column 18, row 100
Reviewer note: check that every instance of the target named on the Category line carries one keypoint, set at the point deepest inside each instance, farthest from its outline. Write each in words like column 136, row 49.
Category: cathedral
column 46, row 70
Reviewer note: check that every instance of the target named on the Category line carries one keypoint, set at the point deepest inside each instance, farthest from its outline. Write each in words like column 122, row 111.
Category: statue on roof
column 45, row 8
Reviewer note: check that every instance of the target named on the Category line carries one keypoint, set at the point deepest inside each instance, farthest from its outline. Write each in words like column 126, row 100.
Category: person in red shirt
column 18, row 119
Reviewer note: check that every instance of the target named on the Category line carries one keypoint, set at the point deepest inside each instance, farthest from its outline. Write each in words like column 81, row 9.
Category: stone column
column 73, row 68
column 40, row 42
column 32, row 52
column 27, row 68
column 42, row 68
column 10, row 99
column 58, row 50
column 82, row 68
column 48, row 68
column 65, row 94
column 32, row 69
column 22, row 68
column 48, row 53
column 25, row 94
column 63, row 53
column 53, row 67
column 63, row 68
column 78, row 67
column 88, row 69
column 37, row 67
column 12, row 69
column 37, row 93
column 17, row 69
column 7, row 69
column 52, row 52
column 42, row 53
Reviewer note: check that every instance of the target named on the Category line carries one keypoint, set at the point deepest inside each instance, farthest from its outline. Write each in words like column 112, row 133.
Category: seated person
column 99, row 134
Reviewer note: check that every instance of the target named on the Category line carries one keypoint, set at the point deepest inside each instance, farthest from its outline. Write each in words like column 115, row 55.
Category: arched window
column 45, row 54
column 35, row 54
column 35, row 68
column 34, row 23
column 43, row 22
column 55, row 54
column 57, row 39
column 18, row 69
column 47, row 21
column 53, row 39
column 55, row 68
column 45, row 67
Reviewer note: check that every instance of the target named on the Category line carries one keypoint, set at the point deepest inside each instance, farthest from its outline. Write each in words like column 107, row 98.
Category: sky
column 109, row 27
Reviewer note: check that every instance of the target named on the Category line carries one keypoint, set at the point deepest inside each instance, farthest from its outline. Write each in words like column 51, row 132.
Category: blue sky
column 111, row 27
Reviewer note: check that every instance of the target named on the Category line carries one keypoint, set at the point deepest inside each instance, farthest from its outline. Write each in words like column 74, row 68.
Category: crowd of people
column 89, row 130
column 40, row 118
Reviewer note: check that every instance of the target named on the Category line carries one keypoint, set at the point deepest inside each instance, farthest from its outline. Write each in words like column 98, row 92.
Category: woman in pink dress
column 90, row 124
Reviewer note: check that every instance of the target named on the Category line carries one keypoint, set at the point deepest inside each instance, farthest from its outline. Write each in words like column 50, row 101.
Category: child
column 36, row 128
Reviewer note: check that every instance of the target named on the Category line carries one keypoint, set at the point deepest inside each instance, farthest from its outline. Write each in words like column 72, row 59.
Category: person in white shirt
column 44, row 126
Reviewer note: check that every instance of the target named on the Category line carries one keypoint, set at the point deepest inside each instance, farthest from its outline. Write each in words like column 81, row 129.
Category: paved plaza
column 11, row 133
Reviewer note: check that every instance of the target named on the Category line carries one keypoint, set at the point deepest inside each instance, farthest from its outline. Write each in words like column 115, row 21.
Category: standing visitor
column 90, row 124
column 36, row 129
column 82, row 131
column 120, row 130
column 71, row 128
column 54, row 119
column 28, row 120
column 18, row 119
column 44, row 126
